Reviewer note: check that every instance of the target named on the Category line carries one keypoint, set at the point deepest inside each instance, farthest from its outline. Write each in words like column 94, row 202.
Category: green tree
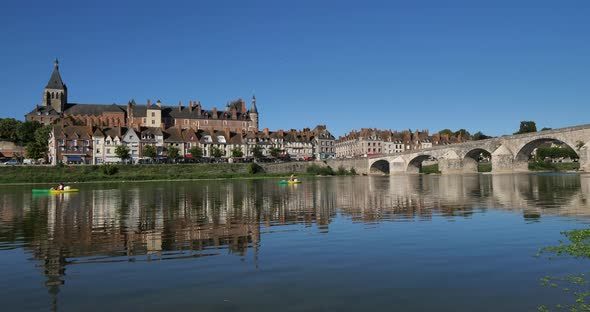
column 257, row 152
column 545, row 129
column 579, row 145
column 42, row 135
column 464, row 133
column 34, row 150
column 196, row 151
column 446, row 132
column 479, row 136
column 216, row 152
column 526, row 127
column 25, row 131
column 122, row 151
column 8, row 128
column 173, row 152
column 237, row 152
column 274, row 152
column 149, row 151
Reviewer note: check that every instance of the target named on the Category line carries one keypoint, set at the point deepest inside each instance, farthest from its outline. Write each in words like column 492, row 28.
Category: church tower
column 56, row 92
column 254, row 114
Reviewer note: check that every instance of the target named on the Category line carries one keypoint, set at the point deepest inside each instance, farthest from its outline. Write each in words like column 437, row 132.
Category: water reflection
column 177, row 220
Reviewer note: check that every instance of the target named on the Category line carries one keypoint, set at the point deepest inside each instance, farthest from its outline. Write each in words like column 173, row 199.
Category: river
column 399, row 243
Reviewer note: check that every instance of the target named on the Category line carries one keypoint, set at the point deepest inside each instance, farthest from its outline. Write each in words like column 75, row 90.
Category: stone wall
column 360, row 165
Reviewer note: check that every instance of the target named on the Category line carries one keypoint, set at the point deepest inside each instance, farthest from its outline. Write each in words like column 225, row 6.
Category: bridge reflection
column 179, row 220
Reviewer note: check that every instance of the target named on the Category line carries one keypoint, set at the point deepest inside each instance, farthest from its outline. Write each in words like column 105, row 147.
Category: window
column 153, row 121
column 153, row 114
column 108, row 150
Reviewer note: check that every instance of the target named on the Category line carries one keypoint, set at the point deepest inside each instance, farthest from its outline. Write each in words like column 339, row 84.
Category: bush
column 254, row 168
column 352, row 171
column 317, row 170
column 341, row 171
column 109, row 169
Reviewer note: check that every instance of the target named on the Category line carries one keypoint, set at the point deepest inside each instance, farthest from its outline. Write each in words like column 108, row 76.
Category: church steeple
column 254, row 115
column 56, row 92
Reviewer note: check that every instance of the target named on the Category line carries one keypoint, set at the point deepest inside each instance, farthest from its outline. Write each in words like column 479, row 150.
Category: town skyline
column 388, row 67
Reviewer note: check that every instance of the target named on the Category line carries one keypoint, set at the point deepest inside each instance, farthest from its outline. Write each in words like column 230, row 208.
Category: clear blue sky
column 478, row 65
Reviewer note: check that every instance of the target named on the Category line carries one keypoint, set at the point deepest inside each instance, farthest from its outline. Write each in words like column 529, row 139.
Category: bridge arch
column 523, row 155
column 415, row 165
column 379, row 167
column 474, row 157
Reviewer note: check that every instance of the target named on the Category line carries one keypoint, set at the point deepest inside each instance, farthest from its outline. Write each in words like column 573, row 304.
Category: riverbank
column 112, row 172
column 53, row 174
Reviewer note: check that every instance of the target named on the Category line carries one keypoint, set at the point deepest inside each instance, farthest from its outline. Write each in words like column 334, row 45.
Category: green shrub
column 317, row 170
column 109, row 169
column 430, row 169
column 352, row 171
column 254, row 168
column 341, row 171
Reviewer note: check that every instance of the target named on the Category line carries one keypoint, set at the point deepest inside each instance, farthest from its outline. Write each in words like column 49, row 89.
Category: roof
column 55, row 81
column 92, row 109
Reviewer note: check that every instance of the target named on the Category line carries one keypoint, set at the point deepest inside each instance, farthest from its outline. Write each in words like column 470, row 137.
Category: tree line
column 30, row 134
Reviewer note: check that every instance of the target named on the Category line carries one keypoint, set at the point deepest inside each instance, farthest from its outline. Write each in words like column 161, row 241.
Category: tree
column 196, row 152
column 216, row 152
column 42, row 135
column 545, row 129
column 25, row 131
column 8, row 128
column 579, row 145
column 274, row 152
column 237, row 152
column 257, row 152
column 34, row 150
column 446, row 132
column 464, row 133
column 479, row 136
column 122, row 151
column 173, row 152
column 526, row 127
column 149, row 151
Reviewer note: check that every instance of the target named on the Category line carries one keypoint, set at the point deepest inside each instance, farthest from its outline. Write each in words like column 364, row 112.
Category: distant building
column 56, row 108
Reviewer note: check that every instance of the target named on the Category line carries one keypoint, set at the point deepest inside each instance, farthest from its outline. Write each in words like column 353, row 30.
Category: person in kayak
column 60, row 187
column 292, row 178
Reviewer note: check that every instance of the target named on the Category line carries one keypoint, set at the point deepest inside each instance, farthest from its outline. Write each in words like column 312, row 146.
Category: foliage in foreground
column 327, row 170
column 576, row 285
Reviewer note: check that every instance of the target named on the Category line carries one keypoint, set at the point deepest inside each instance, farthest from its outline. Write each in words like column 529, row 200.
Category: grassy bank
column 38, row 174
column 547, row 166
column 430, row 169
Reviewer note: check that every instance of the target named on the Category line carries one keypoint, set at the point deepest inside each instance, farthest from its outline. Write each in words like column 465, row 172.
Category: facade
column 371, row 142
column 56, row 108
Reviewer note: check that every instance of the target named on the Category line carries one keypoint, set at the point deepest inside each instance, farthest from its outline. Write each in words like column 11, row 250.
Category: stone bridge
column 509, row 153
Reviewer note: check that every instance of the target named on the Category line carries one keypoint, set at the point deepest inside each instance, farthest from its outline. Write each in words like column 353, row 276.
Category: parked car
column 11, row 162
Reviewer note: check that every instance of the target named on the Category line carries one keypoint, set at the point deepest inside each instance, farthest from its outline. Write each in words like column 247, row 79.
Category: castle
column 55, row 108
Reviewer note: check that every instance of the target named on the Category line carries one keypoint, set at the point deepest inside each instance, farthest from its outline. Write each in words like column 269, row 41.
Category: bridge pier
column 450, row 166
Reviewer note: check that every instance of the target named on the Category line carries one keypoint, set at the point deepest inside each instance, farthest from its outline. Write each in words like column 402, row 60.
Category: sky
column 478, row 65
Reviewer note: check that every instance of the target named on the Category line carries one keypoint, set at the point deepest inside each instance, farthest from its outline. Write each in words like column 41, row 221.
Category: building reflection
column 177, row 220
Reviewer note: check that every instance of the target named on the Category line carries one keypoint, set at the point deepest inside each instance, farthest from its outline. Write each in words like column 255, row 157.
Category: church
column 55, row 108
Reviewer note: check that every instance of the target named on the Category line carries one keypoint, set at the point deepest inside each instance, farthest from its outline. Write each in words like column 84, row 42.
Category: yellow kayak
column 63, row 191
column 289, row 182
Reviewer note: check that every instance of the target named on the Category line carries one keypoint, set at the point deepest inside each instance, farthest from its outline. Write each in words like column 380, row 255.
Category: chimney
column 243, row 108
column 281, row 134
column 199, row 111
column 159, row 103
column 234, row 113
column 214, row 112
column 190, row 106
column 179, row 106
column 149, row 103
column 265, row 131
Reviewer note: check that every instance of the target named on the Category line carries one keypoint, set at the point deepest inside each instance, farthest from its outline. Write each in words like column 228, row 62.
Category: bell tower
column 254, row 114
column 56, row 92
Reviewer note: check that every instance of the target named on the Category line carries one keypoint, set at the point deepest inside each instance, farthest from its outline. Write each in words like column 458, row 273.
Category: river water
column 400, row 243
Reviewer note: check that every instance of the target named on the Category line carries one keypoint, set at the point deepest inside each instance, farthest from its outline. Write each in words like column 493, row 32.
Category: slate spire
column 55, row 81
